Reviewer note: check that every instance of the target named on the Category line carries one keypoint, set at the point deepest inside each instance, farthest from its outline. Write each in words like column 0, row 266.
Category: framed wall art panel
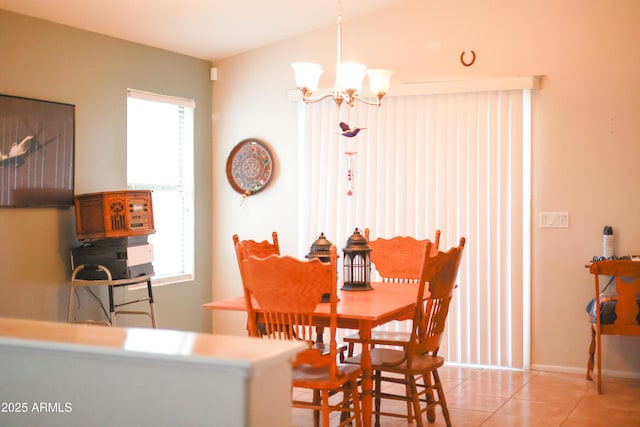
column 36, row 152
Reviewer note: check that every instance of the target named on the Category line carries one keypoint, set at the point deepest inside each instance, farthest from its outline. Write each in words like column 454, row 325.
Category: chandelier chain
column 339, row 24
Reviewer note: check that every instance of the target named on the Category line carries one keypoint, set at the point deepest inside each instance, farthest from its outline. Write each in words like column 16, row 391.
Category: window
column 160, row 159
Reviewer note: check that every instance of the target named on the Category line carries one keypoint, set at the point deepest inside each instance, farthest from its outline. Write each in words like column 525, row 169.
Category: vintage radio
column 113, row 214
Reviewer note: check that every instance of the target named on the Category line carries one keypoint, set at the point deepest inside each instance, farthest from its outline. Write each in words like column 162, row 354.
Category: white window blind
column 160, row 158
column 458, row 162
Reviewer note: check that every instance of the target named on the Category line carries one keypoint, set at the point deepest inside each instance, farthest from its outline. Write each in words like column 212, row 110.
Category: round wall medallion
column 249, row 166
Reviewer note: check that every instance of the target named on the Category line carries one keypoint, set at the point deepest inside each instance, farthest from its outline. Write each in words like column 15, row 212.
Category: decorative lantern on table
column 357, row 263
column 320, row 249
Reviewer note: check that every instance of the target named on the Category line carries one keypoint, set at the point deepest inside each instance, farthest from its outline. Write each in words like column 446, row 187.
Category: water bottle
column 607, row 242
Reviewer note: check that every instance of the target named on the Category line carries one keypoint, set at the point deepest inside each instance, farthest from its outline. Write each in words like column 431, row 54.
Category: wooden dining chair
column 419, row 356
column 260, row 249
column 617, row 313
column 264, row 249
column 397, row 260
column 284, row 292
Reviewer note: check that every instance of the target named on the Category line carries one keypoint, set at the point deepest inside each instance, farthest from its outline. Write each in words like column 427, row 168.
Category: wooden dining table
column 361, row 310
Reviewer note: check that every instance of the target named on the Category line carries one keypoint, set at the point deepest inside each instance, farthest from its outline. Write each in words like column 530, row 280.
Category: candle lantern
column 320, row 249
column 357, row 264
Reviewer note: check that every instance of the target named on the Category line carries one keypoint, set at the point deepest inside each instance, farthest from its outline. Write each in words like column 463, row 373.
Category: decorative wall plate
column 249, row 166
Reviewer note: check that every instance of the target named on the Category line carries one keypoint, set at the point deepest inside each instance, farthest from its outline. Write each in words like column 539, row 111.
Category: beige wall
column 51, row 62
column 585, row 133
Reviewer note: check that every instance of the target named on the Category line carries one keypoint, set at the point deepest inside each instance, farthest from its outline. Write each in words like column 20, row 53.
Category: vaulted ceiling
column 207, row 29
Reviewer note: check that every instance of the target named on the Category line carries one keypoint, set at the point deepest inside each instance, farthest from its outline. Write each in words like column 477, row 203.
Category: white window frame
column 163, row 243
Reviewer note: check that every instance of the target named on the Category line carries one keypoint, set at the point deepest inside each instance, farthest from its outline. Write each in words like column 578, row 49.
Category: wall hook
column 468, row 64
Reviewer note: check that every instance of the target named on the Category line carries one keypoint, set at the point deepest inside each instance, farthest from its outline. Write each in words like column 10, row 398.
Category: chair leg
column 592, row 349
column 428, row 385
column 377, row 389
column 416, row 399
column 441, row 398
column 408, row 392
column 599, row 356
column 325, row 408
column 316, row 412
column 355, row 397
column 350, row 394
column 346, row 397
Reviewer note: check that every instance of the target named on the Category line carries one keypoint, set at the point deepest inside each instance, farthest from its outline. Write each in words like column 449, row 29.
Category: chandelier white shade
column 349, row 78
column 307, row 76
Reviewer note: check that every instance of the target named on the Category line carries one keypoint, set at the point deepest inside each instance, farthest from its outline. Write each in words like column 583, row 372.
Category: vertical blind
column 457, row 162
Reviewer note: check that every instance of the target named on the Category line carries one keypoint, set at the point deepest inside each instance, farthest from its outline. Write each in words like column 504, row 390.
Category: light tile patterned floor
column 504, row 398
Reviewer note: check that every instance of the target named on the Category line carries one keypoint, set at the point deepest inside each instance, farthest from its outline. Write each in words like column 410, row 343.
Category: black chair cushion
column 607, row 310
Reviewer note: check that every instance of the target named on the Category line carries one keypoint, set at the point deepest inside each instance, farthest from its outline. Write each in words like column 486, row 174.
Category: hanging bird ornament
column 349, row 133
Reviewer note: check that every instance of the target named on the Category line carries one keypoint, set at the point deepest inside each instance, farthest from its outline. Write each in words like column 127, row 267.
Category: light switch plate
column 554, row 219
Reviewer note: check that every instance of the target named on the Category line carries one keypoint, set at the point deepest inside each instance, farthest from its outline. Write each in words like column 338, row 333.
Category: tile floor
column 504, row 398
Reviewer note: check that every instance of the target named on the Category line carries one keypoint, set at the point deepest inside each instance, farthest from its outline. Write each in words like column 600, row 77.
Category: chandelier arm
column 310, row 100
column 377, row 102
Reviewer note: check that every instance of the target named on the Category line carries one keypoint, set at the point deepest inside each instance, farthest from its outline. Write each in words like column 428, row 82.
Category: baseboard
column 574, row 370
column 555, row 369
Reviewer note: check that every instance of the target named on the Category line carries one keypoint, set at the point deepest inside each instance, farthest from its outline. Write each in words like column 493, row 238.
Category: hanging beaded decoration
column 347, row 132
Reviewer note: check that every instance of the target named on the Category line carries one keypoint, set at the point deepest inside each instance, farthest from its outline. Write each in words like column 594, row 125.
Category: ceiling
column 206, row 29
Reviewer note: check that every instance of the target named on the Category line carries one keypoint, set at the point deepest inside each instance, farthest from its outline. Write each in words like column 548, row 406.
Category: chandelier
column 349, row 78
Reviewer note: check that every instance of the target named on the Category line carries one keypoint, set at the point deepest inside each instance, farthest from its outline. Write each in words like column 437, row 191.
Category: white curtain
column 458, row 162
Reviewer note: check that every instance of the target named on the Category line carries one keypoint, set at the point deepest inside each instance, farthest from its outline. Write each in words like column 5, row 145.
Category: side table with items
column 613, row 312
column 113, row 228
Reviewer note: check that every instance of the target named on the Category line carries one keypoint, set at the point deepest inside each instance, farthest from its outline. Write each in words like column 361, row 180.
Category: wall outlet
column 554, row 219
